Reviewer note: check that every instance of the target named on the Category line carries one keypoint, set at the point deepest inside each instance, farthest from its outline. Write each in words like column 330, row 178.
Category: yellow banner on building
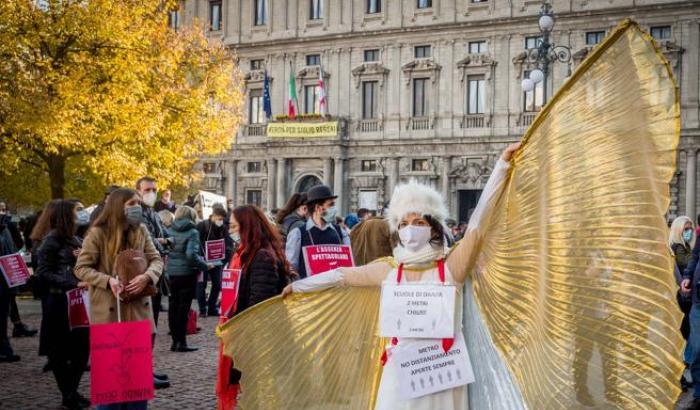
column 302, row 130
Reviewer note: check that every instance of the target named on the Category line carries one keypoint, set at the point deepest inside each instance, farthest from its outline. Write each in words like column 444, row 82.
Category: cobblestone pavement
column 23, row 385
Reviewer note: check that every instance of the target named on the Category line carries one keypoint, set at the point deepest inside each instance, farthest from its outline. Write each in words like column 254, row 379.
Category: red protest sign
column 230, row 280
column 322, row 258
column 215, row 250
column 78, row 308
column 121, row 362
column 14, row 270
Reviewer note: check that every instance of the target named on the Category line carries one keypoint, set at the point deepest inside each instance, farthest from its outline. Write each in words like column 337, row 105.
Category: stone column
column 690, row 181
column 281, row 182
column 327, row 171
column 445, row 180
column 393, row 175
column 271, row 175
column 339, row 184
column 232, row 180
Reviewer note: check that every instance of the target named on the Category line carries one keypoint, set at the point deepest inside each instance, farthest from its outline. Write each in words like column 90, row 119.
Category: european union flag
column 267, row 104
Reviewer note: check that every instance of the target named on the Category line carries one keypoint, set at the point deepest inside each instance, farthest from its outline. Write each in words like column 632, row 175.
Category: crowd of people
column 73, row 248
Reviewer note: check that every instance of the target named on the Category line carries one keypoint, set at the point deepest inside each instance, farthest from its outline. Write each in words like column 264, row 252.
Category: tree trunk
column 57, row 175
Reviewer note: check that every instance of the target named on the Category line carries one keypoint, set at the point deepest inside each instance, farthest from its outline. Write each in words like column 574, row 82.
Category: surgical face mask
column 329, row 214
column 149, row 198
column 236, row 237
column 219, row 223
column 134, row 215
column 82, row 218
column 414, row 238
column 687, row 235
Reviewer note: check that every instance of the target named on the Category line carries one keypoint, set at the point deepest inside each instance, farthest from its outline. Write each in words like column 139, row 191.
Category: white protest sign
column 207, row 201
column 424, row 368
column 417, row 311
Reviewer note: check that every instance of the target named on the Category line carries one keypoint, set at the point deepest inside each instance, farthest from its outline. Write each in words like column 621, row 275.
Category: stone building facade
column 424, row 89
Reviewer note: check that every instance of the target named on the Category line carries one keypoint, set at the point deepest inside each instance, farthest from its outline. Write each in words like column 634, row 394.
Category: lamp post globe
column 536, row 75
column 546, row 23
column 528, row 85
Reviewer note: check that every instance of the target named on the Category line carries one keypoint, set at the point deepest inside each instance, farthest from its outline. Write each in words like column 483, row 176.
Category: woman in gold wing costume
column 571, row 300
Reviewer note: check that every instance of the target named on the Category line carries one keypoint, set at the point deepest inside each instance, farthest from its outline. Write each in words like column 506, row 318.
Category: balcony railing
column 420, row 123
column 256, row 130
column 369, row 125
column 474, row 121
column 526, row 119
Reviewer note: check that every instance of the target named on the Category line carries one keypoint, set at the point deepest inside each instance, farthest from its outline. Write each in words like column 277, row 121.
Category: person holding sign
column 320, row 228
column 216, row 247
column 184, row 264
column 67, row 348
column 423, row 310
column 119, row 227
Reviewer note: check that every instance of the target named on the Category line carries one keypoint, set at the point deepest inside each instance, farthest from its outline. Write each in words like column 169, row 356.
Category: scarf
column 424, row 257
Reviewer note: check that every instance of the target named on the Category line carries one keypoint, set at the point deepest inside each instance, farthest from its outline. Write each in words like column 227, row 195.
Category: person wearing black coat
column 213, row 229
column 68, row 349
column 261, row 279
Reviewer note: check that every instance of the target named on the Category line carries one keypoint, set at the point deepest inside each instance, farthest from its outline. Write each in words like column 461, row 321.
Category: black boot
column 183, row 348
column 22, row 330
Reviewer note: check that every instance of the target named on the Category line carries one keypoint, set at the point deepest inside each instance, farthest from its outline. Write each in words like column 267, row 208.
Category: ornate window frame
column 371, row 71
column 308, row 75
column 477, row 64
column 422, row 68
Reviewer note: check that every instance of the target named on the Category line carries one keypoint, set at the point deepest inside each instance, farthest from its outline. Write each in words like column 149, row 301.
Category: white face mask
column 414, row 238
column 219, row 223
column 149, row 198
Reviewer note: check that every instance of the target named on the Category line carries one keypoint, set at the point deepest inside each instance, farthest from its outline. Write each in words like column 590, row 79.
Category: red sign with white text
column 322, row 258
column 121, row 362
column 215, row 250
column 14, row 270
column 78, row 303
column 230, row 280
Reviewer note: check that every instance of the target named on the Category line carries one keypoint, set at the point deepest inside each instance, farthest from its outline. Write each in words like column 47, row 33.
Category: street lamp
column 545, row 53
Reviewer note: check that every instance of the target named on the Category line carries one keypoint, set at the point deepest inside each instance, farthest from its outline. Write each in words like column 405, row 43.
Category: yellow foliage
column 103, row 91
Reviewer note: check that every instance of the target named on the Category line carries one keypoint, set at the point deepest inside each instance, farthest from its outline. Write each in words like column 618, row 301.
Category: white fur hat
column 413, row 197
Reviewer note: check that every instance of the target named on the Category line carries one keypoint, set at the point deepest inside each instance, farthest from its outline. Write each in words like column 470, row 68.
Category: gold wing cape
column 574, row 282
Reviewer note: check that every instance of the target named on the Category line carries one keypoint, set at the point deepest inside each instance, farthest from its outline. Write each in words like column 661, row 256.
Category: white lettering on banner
column 417, row 311
column 424, row 368
column 322, row 258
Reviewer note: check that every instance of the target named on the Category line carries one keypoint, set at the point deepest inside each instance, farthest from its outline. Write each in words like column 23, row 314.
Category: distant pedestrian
column 213, row 229
column 293, row 215
column 165, row 202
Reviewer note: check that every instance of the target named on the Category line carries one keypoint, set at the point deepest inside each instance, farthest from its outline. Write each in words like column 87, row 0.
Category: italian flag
column 292, row 103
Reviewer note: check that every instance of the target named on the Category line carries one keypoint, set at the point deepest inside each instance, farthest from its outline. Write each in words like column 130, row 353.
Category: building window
column 532, row 42
column 174, row 19
column 424, row 4
column 477, row 47
column 535, row 98
column 420, row 165
column 594, row 37
column 661, row 32
column 368, row 165
column 255, row 109
column 374, row 6
column 476, row 94
column 420, row 97
column 371, row 55
column 260, row 12
column 256, row 64
column 255, row 167
column 215, row 15
column 422, row 51
column 209, row 167
column 369, row 99
column 315, row 9
column 313, row 59
column 311, row 99
column 253, row 197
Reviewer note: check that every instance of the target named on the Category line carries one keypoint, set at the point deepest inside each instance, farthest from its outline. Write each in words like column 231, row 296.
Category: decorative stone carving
column 370, row 71
column 421, row 66
column 255, row 76
column 472, row 170
column 311, row 72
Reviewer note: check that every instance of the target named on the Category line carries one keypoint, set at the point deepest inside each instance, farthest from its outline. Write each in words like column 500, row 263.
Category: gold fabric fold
column 575, row 280
column 309, row 351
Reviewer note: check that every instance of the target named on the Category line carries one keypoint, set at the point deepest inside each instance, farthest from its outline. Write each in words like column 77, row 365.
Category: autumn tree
column 95, row 92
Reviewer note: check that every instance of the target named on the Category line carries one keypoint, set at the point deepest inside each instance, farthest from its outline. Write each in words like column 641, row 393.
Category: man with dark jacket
column 7, row 247
column 147, row 189
column 212, row 229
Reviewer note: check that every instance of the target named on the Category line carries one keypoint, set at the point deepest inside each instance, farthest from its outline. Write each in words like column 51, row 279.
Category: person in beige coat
column 118, row 227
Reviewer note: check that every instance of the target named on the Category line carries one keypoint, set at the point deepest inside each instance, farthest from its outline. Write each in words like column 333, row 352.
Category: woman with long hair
column 119, row 227
column 260, row 256
column 293, row 215
column 68, row 349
